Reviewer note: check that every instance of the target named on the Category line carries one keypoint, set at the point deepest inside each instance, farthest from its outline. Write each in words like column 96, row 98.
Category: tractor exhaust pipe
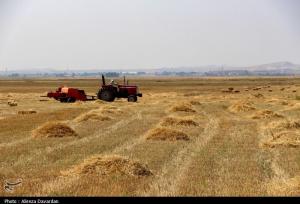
column 103, row 80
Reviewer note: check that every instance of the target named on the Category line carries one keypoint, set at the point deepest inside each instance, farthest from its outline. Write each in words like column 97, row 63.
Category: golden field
column 184, row 137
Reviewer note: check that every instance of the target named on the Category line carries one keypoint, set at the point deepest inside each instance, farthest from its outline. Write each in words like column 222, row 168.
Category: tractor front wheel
column 132, row 98
column 106, row 95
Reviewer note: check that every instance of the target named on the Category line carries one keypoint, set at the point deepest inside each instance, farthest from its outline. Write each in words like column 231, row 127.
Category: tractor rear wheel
column 106, row 95
column 71, row 100
column 63, row 100
column 132, row 98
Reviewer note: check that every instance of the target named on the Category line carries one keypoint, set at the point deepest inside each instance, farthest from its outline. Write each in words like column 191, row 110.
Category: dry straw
column 284, row 138
column 94, row 115
column 195, row 103
column 166, row 134
column 265, row 114
column 284, row 133
column 183, row 107
column 172, row 121
column 54, row 129
column 107, row 165
column 241, row 106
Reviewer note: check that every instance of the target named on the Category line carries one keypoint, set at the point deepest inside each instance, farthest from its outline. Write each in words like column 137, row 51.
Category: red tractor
column 69, row 95
column 108, row 92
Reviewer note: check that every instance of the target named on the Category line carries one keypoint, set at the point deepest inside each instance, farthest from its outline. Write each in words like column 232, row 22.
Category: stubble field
column 184, row 137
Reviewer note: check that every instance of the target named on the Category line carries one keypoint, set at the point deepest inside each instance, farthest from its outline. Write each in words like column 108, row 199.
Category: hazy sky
column 102, row 34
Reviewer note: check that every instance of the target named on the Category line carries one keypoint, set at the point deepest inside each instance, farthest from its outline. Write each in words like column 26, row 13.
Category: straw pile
column 259, row 95
column 53, row 129
column 241, row 106
column 166, row 134
column 172, row 121
column 284, row 138
column 264, row 114
column 195, row 103
column 94, row 115
column 285, row 125
column 107, row 165
column 284, row 133
column 284, row 103
column 183, row 107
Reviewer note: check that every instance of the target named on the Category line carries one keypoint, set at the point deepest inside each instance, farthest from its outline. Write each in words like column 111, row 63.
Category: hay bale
column 237, row 91
column 54, row 129
column 26, row 112
column 183, row 108
column 166, row 134
column 107, row 165
column 265, row 114
column 230, row 89
column 171, row 121
column 242, row 106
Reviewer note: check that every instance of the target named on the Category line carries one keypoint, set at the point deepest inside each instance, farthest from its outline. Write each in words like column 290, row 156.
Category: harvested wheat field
column 184, row 137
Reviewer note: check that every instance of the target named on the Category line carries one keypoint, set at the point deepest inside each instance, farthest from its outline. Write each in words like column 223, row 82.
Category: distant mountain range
column 276, row 68
column 263, row 67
